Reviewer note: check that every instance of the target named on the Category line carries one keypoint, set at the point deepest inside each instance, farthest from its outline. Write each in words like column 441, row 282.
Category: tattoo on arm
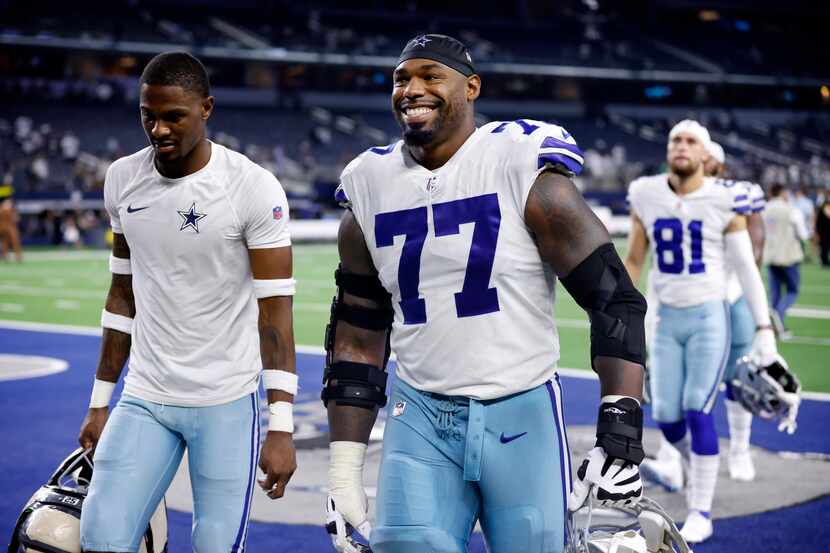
column 564, row 226
column 567, row 231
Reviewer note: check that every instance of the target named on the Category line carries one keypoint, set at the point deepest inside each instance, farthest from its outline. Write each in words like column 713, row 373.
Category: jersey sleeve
column 344, row 192
column 757, row 198
column 634, row 197
column 558, row 148
column 740, row 198
column 265, row 212
column 538, row 146
column 112, row 188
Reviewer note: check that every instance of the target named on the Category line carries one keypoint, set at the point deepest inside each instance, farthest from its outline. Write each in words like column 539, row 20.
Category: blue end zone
column 41, row 418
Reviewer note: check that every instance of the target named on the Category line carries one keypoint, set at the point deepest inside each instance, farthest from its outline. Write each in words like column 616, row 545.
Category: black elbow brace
column 601, row 286
column 348, row 383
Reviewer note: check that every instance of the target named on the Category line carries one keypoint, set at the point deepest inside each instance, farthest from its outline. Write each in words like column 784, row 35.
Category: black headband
column 440, row 48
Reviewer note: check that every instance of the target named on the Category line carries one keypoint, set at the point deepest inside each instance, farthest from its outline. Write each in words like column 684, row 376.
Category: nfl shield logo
column 397, row 410
column 277, row 213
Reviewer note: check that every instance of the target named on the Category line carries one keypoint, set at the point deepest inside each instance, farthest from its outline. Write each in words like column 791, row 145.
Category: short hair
column 177, row 69
column 776, row 190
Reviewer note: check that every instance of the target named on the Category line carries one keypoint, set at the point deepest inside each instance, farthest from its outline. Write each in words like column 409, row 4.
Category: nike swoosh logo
column 507, row 439
column 131, row 209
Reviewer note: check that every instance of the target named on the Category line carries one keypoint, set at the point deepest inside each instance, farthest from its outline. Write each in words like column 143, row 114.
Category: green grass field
column 70, row 287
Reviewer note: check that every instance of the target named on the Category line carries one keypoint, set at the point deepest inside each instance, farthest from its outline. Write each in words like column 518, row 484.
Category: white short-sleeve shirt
column 195, row 340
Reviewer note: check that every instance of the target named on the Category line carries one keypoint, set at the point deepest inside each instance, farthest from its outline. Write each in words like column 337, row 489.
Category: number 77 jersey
column 473, row 300
column 685, row 235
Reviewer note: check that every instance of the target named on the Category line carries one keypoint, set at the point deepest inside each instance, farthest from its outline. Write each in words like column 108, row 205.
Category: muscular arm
column 757, row 234
column 275, row 323
column 115, row 345
column 635, row 259
column 349, row 423
column 276, row 347
column 566, row 233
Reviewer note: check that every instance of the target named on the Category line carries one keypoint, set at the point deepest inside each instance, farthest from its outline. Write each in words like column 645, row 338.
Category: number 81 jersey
column 685, row 234
column 473, row 300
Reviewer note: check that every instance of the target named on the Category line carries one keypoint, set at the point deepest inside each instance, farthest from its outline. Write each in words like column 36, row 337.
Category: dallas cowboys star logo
column 191, row 218
column 421, row 41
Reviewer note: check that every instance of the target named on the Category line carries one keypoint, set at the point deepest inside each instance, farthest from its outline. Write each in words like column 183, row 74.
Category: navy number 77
column 475, row 297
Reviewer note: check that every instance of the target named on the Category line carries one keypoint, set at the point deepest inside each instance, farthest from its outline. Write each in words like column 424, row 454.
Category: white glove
column 788, row 423
column 612, row 482
column 347, row 505
column 341, row 532
column 764, row 351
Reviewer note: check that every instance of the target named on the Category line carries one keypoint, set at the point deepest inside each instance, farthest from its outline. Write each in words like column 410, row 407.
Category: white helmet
column 51, row 520
column 641, row 528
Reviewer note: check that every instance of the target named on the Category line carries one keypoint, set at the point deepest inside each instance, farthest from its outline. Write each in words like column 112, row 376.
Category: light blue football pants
column 743, row 332
column 450, row 461
column 138, row 454
column 691, row 348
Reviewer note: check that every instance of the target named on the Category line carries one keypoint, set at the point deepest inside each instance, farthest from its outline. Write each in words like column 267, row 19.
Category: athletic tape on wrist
column 347, row 459
column 281, row 418
column 101, row 394
column 117, row 322
column 120, row 265
column 280, row 380
column 274, row 287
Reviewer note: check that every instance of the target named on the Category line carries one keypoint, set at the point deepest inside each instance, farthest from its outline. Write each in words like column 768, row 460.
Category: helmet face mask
column 51, row 520
column 642, row 528
column 760, row 389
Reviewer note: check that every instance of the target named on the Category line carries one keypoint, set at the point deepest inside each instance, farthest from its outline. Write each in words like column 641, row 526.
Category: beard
column 417, row 137
column 421, row 134
column 684, row 170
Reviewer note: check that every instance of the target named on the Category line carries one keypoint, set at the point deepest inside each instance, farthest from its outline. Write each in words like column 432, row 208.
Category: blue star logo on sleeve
column 191, row 218
column 421, row 41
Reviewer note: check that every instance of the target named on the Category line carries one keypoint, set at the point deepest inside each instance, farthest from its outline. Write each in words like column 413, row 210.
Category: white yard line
column 808, row 312
column 69, row 305
column 12, row 308
column 38, row 291
column 96, row 331
column 67, row 256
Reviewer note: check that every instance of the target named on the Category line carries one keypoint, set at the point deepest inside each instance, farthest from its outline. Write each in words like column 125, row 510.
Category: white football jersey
column 195, row 340
column 757, row 202
column 473, row 300
column 686, row 236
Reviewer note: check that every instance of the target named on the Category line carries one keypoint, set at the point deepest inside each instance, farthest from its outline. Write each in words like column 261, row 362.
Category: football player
column 669, row 466
column 193, row 222
column 741, row 466
column 693, row 223
column 451, row 246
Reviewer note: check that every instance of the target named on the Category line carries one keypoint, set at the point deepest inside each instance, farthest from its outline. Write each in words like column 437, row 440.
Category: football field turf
column 69, row 287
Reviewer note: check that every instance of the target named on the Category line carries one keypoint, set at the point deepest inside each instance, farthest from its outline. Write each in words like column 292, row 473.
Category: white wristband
column 280, row 380
column 120, row 265
column 274, row 287
column 101, row 394
column 116, row 322
column 281, row 417
column 615, row 399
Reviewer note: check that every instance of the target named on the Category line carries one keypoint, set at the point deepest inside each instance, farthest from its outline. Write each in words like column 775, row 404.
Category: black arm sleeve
column 601, row 285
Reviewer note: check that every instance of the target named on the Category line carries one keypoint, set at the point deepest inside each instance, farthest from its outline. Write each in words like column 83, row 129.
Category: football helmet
column 51, row 520
column 641, row 528
column 771, row 392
